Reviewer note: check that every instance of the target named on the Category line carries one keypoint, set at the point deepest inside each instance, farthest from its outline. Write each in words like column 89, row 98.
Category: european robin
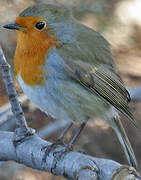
column 68, row 70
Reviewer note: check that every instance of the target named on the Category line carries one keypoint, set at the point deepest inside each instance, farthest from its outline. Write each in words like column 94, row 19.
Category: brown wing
column 103, row 80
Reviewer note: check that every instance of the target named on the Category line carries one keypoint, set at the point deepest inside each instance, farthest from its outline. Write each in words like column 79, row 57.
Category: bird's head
column 40, row 19
column 38, row 29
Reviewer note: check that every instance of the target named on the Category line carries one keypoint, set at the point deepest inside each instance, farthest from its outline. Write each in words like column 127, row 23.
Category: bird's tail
column 118, row 127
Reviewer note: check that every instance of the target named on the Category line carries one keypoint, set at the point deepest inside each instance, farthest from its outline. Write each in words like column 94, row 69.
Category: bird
column 68, row 71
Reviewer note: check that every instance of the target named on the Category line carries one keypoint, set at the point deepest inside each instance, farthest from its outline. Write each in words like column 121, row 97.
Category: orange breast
column 32, row 45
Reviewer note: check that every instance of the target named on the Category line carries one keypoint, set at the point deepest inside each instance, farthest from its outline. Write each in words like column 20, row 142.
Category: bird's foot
column 68, row 147
column 59, row 141
column 58, row 154
column 49, row 148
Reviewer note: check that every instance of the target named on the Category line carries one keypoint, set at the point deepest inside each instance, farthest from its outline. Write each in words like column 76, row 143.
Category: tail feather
column 118, row 127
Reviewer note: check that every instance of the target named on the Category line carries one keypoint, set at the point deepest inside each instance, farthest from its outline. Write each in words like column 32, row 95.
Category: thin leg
column 57, row 142
column 64, row 132
column 69, row 146
column 76, row 135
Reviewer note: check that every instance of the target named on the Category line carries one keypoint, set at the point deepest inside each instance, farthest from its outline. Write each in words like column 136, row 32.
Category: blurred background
column 119, row 21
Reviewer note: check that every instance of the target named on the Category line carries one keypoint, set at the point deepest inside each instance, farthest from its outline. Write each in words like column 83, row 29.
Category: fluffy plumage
column 75, row 69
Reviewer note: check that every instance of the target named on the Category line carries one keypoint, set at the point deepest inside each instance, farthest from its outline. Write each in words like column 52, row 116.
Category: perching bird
column 68, row 71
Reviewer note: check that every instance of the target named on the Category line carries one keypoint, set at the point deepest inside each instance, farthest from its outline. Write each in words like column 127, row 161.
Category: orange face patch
column 32, row 45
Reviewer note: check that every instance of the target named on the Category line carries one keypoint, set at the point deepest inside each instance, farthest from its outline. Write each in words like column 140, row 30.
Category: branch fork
column 22, row 129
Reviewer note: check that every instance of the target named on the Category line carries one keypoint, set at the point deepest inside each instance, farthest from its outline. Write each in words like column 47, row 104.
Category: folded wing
column 102, row 80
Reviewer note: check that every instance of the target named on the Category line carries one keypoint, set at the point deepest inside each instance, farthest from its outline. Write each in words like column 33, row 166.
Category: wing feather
column 102, row 80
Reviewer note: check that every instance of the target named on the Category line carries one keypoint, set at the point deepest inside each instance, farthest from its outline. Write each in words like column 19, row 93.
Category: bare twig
column 5, row 108
column 22, row 128
column 7, row 119
column 135, row 93
column 72, row 165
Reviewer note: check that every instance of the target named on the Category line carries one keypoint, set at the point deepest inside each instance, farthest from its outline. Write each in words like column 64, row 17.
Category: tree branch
column 30, row 152
column 135, row 93
column 22, row 129
column 7, row 118
column 72, row 165
column 8, row 121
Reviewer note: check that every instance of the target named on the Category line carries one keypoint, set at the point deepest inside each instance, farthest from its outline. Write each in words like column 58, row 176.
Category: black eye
column 40, row 25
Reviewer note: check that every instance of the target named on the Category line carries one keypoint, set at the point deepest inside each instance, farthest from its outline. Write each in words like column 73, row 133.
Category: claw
column 59, row 141
column 67, row 148
column 49, row 148
column 59, row 154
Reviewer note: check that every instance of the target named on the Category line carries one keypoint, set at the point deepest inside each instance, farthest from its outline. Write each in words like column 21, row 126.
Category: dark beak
column 14, row 26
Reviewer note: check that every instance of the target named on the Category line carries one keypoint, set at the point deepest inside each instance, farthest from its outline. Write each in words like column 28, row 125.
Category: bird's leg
column 60, row 138
column 79, row 130
column 69, row 146
column 48, row 148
